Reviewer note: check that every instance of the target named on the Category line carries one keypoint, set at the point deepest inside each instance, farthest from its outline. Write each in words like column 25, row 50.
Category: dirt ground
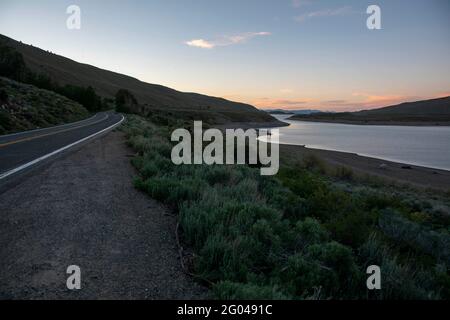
column 83, row 210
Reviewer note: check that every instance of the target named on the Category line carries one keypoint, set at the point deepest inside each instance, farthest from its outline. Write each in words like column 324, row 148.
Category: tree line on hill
column 12, row 65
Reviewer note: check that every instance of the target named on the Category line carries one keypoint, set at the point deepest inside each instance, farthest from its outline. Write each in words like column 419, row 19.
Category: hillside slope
column 25, row 107
column 440, row 106
column 426, row 112
column 150, row 96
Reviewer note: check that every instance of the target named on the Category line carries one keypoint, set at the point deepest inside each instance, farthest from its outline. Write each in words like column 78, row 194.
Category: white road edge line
column 26, row 165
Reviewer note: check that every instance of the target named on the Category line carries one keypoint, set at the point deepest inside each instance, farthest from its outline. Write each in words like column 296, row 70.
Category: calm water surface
column 424, row 146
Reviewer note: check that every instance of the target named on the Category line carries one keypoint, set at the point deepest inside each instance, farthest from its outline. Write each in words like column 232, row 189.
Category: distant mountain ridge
column 425, row 112
column 150, row 96
column 439, row 106
column 290, row 111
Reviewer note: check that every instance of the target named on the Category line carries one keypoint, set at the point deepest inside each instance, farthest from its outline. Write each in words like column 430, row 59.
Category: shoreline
column 415, row 175
column 252, row 125
column 377, row 123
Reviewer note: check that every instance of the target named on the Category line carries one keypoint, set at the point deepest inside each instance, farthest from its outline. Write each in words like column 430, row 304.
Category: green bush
column 5, row 120
column 400, row 280
column 341, row 261
column 280, row 197
column 296, row 236
column 216, row 174
column 173, row 190
column 3, row 96
column 28, row 107
column 308, row 232
column 352, row 227
column 302, row 276
column 227, row 290
column 416, row 236
column 344, row 173
column 313, row 162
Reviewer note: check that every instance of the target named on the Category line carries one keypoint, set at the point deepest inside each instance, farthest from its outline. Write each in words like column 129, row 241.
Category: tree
column 85, row 96
column 12, row 64
column 125, row 101
column 3, row 96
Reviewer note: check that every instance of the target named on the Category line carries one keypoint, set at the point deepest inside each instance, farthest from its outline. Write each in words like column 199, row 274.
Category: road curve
column 21, row 150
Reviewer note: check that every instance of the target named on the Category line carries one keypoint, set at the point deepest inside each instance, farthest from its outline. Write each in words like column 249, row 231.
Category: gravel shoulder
column 83, row 210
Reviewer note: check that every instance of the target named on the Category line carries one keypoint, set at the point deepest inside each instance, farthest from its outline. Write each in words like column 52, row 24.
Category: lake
column 423, row 146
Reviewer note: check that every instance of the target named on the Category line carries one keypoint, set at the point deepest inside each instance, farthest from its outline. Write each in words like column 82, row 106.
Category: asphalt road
column 21, row 149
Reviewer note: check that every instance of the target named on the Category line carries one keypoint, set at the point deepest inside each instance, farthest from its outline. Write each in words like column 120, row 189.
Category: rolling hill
column 151, row 97
column 425, row 112
column 25, row 107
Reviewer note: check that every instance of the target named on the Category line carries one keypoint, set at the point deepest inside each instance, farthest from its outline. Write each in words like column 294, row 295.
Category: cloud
column 371, row 101
column 336, row 102
column 361, row 101
column 225, row 40
column 279, row 103
column 372, row 98
column 200, row 43
column 324, row 13
column 290, row 102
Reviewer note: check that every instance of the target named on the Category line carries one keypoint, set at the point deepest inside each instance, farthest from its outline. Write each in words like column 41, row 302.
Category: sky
column 290, row 54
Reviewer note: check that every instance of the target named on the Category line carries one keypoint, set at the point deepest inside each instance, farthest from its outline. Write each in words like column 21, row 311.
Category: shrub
column 280, row 197
column 197, row 223
column 137, row 162
column 244, row 190
column 149, row 169
column 419, row 217
column 352, row 227
column 173, row 190
column 216, row 174
column 287, row 237
column 3, row 96
column 302, row 276
column 379, row 200
column 232, row 258
column 326, row 203
column 416, row 236
column 313, row 162
column 301, row 182
column 399, row 280
column 308, row 232
column 344, row 173
column 5, row 120
column 227, row 290
column 443, row 280
column 341, row 261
